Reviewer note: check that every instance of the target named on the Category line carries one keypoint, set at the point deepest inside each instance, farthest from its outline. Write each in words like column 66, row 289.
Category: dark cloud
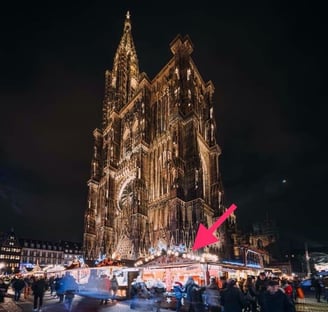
column 265, row 61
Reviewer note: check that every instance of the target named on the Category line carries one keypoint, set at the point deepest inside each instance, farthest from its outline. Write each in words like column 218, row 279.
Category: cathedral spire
column 127, row 20
column 125, row 73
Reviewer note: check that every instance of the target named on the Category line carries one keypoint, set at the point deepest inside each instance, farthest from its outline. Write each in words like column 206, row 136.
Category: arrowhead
column 204, row 237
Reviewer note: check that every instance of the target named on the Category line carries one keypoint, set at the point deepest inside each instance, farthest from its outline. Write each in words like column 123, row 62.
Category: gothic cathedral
column 155, row 168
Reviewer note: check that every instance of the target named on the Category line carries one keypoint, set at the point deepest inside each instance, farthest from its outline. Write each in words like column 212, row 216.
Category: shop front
column 176, row 269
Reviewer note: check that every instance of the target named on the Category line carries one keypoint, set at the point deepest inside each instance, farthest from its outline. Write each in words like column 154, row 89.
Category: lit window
column 188, row 74
column 177, row 72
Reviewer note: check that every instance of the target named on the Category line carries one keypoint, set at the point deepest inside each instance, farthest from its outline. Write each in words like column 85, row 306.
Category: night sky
column 266, row 60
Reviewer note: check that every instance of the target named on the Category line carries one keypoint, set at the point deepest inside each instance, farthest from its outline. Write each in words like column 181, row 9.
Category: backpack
column 249, row 298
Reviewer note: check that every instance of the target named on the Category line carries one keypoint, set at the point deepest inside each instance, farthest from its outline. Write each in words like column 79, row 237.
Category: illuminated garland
column 204, row 258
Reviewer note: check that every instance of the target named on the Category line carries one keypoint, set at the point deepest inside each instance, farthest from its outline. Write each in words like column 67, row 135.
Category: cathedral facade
column 155, row 172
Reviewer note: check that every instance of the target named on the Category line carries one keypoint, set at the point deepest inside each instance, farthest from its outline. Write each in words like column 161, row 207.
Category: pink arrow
column 205, row 236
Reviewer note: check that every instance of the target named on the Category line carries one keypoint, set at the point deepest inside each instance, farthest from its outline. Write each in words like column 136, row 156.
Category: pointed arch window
column 177, row 72
column 188, row 73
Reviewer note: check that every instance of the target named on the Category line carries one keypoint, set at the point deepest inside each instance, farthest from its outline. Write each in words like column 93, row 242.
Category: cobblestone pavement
column 51, row 304
column 9, row 305
column 311, row 305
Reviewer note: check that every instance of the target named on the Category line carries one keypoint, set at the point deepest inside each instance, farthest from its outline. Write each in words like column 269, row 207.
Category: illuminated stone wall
column 155, row 166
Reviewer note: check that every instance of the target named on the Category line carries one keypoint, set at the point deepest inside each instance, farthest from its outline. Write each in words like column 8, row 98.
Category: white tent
column 54, row 269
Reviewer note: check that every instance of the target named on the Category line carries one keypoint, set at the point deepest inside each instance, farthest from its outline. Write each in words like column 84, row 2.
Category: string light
column 177, row 251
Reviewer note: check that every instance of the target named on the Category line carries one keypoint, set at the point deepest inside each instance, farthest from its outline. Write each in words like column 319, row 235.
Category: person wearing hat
column 275, row 300
column 232, row 298
column 261, row 287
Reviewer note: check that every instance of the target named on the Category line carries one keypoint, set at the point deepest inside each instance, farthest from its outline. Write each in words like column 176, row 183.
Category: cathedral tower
column 155, row 167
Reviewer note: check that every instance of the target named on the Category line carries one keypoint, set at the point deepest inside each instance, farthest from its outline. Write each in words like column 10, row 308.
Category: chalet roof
column 40, row 244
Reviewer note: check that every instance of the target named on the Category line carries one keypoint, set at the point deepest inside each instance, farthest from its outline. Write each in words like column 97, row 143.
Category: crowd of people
column 64, row 287
column 261, row 293
column 253, row 294
column 245, row 295
column 140, row 291
column 320, row 286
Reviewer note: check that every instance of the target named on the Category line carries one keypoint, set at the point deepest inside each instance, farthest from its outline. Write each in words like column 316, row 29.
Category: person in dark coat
column 18, row 285
column 197, row 299
column 232, row 298
column 261, row 287
column 275, row 300
column 3, row 289
column 212, row 295
column 134, row 294
column 250, row 295
column 325, row 285
column 188, row 288
column 317, row 284
column 38, row 287
column 193, row 295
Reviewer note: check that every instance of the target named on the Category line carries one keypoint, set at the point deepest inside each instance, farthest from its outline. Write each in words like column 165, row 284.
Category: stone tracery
column 154, row 172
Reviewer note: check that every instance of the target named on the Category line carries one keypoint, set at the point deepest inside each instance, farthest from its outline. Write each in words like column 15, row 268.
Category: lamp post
column 205, row 259
column 307, row 260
